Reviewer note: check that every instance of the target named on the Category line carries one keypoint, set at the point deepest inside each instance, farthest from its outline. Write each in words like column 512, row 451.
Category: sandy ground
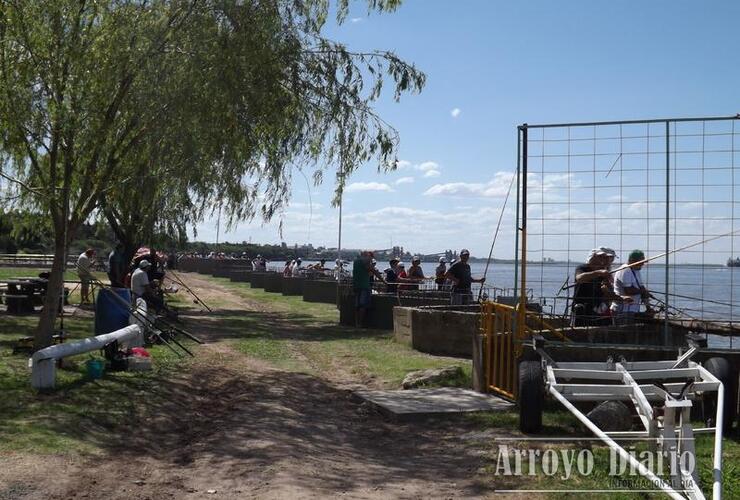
column 234, row 427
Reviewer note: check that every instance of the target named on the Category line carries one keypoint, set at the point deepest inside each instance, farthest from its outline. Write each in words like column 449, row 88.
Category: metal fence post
column 667, row 226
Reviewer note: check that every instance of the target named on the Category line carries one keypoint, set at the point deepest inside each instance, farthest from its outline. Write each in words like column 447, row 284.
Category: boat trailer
column 662, row 394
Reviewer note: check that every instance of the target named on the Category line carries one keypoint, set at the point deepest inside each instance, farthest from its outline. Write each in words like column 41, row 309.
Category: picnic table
column 22, row 295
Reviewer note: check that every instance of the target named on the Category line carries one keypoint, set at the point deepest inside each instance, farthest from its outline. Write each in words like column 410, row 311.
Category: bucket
column 95, row 368
column 111, row 312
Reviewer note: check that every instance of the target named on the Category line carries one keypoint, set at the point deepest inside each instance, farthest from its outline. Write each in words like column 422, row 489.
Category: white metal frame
column 681, row 374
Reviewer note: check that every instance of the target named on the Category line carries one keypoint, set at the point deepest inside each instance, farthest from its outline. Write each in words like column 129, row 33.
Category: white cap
column 144, row 264
column 442, row 260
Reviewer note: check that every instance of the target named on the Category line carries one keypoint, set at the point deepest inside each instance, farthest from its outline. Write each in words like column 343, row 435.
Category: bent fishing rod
column 495, row 235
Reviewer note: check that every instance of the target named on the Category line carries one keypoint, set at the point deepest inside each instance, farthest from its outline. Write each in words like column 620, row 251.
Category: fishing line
column 495, row 235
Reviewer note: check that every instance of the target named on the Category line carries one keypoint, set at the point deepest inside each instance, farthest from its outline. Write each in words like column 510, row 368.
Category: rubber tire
column 722, row 369
column 611, row 416
column 531, row 396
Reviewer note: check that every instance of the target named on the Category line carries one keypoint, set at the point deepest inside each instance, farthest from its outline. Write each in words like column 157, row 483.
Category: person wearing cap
column 593, row 291
column 415, row 274
column 140, row 280
column 297, row 269
column 460, row 277
column 287, row 272
column 338, row 270
column 362, row 268
column 439, row 274
column 629, row 286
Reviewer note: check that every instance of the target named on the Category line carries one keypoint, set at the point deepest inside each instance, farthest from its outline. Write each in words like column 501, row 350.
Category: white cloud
column 455, row 112
column 426, row 166
column 432, row 173
column 495, row 188
column 368, row 186
column 401, row 164
column 356, row 20
column 405, row 180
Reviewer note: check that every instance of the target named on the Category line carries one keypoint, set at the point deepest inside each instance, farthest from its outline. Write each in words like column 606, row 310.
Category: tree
column 223, row 96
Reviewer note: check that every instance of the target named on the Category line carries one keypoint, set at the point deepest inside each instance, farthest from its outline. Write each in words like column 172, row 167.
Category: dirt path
column 234, row 427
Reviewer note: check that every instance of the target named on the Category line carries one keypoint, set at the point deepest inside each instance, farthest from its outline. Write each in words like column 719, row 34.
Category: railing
column 31, row 260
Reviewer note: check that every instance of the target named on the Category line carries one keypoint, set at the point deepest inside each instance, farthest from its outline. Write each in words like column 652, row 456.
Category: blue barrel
column 111, row 312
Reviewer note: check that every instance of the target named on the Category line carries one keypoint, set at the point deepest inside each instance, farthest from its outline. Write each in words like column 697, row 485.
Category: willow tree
column 226, row 96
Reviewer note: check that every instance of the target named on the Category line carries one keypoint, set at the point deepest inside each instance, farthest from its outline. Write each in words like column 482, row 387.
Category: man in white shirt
column 140, row 280
column 84, row 271
column 297, row 269
column 628, row 284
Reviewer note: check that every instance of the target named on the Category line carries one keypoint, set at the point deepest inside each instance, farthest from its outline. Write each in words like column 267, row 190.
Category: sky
column 492, row 65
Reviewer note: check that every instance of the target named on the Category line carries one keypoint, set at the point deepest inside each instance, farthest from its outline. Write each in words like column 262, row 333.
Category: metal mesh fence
column 653, row 185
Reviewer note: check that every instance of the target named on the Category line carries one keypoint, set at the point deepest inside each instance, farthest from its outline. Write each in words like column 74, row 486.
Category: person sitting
column 142, row 288
column 629, row 286
column 593, row 290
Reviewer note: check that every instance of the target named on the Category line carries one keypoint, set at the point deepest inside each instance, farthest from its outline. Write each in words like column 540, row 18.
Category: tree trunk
column 45, row 328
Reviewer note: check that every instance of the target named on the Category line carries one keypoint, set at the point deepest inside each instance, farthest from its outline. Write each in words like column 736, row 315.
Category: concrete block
column 274, row 282
column 443, row 332
column 324, row 291
column 293, row 286
column 257, row 279
column 402, row 325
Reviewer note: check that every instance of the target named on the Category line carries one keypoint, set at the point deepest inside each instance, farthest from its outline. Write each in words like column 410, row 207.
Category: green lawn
column 307, row 336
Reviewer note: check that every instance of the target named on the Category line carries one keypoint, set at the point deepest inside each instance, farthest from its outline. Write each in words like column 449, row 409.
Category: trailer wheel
column 531, row 396
column 721, row 368
column 611, row 416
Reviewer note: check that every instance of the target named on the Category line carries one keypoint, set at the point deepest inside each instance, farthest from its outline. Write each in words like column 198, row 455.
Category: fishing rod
column 669, row 252
column 179, row 281
column 728, row 304
column 153, row 327
column 495, row 235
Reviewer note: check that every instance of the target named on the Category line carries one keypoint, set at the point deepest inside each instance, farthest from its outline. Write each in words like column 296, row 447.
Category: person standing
column 415, row 274
column 287, row 270
column 593, row 290
column 391, row 276
column 116, row 266
column 84, row 271
column 439, row 274
column 297, row 269
column 461, row 279
column 628, row 285
column 362, row 268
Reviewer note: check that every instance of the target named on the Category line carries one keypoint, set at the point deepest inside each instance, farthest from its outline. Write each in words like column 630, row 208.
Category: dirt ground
column 234, row 427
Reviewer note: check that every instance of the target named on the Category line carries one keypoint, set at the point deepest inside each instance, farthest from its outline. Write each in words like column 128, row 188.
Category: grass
column 306, row 336
column 80, row 413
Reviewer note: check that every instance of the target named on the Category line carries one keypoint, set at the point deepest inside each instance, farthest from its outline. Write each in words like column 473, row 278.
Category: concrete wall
column 402, row 325
column 273, row 282
column 293, row 286
column 380, row 314
column 240, row 276
column 324, row 291
column 444, row 332
column 257, row 279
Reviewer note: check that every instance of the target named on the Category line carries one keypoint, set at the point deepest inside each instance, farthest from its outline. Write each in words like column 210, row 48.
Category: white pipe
column 719, row 423
column 610, row 442
column 43, row 364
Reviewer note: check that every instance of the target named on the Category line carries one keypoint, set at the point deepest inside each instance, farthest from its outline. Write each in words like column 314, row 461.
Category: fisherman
column 142, row 288
column 297, row 269
column 116, row 266
column 84, row 271
column 460, row 276
column 415, row 273
column 629, row 286
column 362, row 268
column 391, row 275
column 439, row 273
column 287, row 269
column 338, row 271
column 593, row 290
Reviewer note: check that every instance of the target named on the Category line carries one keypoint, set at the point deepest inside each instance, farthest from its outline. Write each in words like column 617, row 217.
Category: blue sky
column 490, row 66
